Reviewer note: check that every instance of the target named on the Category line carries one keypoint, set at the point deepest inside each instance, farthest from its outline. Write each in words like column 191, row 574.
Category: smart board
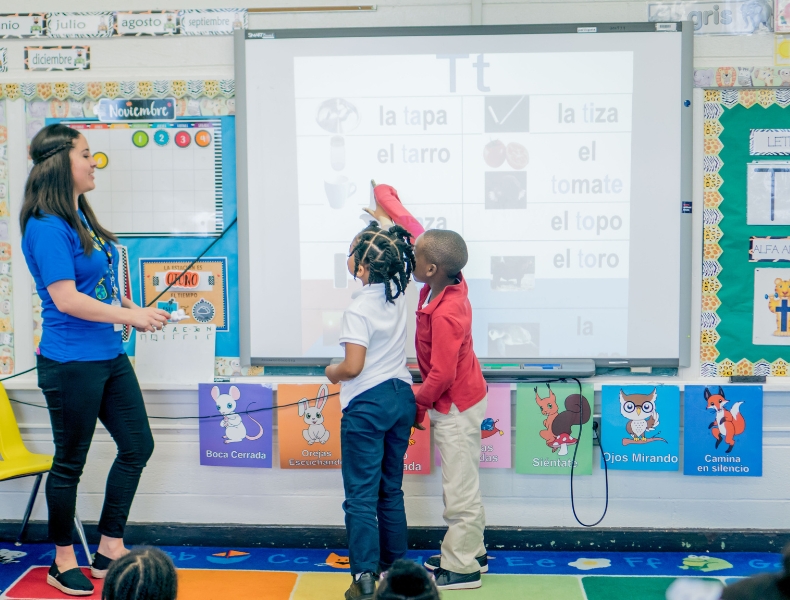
column 560, row 153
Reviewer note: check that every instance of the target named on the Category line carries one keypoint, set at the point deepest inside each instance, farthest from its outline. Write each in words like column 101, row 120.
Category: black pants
column 77, row 394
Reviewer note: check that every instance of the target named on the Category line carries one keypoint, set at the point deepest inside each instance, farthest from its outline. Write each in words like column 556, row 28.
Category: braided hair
column 143, row 574
column 389, row 255
column 49, row 189
column 406, row 580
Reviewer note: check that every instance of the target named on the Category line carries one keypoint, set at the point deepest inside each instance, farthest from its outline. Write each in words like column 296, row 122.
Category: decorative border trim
column 741, row 77
column 716, row 103
column 94, row 90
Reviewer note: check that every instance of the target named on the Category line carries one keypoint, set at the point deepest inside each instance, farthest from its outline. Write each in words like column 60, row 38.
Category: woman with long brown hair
column 82, row 368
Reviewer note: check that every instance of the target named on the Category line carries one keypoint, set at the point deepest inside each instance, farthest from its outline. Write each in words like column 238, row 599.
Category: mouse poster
column 238, row 429
column 554, row 427
column 308, row 426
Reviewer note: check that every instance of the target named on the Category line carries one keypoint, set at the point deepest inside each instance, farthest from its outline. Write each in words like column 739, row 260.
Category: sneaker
column 447, row 580
column 100, row 565
column 72, row 582
column 362, row 588
column 434, row 562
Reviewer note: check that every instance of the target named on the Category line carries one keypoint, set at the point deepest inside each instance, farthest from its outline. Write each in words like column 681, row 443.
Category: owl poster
column 238, row 430
column 308, row 426
column 554, row 426
column 723, row 430
column 417, row 460
column 640, row 427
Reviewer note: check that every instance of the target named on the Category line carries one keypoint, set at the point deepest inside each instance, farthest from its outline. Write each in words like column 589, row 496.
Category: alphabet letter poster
column 239, row 432
column 641, row 427
column 723, row 430
column 308, row 426
column 548, row 429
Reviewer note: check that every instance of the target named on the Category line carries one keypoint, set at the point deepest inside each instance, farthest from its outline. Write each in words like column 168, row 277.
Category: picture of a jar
column 337, row 152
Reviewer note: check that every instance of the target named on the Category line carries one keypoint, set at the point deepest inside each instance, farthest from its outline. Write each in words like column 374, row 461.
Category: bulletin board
column 157, row 179
column 201, row 106
column 745, row 328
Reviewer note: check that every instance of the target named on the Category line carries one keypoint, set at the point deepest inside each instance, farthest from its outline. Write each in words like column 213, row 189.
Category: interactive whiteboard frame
column 686, row 182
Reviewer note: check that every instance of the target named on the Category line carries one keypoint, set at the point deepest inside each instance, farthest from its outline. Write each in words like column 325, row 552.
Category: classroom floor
column 285, row 574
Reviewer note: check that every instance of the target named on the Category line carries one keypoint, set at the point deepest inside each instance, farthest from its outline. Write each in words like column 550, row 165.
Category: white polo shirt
column 380, row 326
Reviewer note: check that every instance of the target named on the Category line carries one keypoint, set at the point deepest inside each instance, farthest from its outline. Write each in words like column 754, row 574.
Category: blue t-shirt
column 53, row 252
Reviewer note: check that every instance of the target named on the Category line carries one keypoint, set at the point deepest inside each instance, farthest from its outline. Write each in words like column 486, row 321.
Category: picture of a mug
column 337, row 189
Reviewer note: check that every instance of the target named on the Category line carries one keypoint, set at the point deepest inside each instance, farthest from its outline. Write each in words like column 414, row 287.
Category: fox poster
column 723, row 431
column 554, row 423
column 308, row 426
column 640, row 427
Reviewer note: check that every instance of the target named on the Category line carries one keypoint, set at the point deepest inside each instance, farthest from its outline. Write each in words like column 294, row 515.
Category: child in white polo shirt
column 378, row 404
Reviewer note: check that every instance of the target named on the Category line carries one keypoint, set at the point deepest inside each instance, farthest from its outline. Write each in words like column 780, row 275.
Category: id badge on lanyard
column 116, row 326
column 116, row 301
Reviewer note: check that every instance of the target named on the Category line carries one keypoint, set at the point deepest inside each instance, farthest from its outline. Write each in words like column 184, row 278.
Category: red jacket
column 387, row 198
column 450, row 370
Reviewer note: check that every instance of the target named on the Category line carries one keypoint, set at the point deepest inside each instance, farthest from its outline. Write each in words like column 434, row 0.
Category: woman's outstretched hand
column 148, row 319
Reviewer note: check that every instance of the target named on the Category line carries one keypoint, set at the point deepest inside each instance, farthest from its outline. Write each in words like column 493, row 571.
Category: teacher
column 82, row 368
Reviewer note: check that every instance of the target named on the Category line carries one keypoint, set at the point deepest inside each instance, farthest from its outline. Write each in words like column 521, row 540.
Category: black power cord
column 573, row 460
column 576, row 449
column 219, row 416
column 190, row 265
column 573, row 464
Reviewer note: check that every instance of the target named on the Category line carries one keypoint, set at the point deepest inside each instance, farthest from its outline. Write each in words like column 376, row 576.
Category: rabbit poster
column 238, row 432
column 554, row 426
column 308, row 425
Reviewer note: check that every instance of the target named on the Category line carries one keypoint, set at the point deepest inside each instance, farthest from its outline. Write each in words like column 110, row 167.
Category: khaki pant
column 457, row 436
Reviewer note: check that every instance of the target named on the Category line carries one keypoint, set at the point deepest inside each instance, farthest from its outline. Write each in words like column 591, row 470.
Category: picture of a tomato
column 517, row 155
column 494, row 153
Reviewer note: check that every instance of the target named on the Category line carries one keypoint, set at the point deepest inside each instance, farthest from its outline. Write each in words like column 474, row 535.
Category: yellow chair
column 17, row 461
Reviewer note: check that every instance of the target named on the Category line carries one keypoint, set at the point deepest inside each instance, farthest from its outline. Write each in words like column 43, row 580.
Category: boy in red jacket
column 453, row 389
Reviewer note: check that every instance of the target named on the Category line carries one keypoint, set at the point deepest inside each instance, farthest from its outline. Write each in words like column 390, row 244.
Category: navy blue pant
column 374, row 434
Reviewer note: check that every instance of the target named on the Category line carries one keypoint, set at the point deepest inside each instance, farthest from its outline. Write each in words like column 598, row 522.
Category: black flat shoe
column 449, row 580
column 72, row 582
column 100, row 565
column 362, row 588
column 435, row 561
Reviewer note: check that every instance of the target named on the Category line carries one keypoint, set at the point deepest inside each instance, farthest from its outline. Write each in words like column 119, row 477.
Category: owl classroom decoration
column 640, row 427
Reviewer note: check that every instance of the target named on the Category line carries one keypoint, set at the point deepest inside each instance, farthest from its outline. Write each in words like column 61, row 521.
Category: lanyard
column 107, row 249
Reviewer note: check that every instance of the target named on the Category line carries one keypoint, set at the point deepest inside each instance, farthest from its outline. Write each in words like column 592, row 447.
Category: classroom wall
column 174, row 488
